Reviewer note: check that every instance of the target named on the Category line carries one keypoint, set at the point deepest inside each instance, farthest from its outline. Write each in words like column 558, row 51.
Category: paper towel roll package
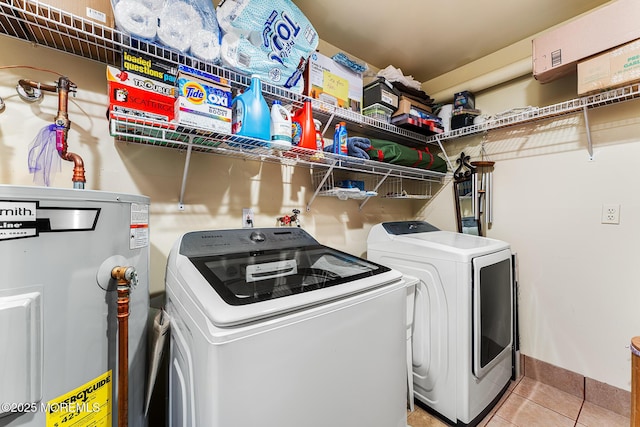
column 238, row 53
column 206, row 46
column 183, row 25
column 205, row 42
column 138, row 17
column 271, row 38
column 177, row 23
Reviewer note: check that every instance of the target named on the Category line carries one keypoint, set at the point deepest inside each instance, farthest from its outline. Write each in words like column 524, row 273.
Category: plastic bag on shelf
column 272, row 39
column 205, row 42
column 178, row 22
column 393, row 74
column 239, row 54
column 184, row 25
column 138, row 18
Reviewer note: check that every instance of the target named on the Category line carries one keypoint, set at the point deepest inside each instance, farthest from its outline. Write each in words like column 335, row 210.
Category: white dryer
column 462, row 333
column 272, row 329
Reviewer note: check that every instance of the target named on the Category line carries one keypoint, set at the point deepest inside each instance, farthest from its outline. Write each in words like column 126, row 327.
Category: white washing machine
column 462, row 333
column 272, row 329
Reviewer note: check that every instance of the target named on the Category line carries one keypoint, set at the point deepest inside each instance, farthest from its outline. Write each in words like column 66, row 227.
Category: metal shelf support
column 585, row 111
column 446, row 157
column 185, row 173
column 364, row 202
column 324, row 179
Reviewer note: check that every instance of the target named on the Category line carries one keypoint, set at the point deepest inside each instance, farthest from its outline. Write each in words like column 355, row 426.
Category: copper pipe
column 62, row 121
column 124, row 277
column 78, row 169
column 29, row 84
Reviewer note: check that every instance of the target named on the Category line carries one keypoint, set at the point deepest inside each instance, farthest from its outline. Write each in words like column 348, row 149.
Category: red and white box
column 138, row 96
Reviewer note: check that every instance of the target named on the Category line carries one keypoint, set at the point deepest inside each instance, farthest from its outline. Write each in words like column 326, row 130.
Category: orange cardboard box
column 52, row 21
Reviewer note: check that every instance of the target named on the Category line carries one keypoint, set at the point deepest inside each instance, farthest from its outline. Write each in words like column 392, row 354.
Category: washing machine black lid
column 408, row 227
column 272, row 264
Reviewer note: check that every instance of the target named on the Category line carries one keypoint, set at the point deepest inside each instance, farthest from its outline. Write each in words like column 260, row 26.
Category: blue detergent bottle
column 251, row 116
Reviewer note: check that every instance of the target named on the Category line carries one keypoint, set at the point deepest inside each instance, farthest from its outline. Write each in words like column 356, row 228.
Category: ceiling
column 427, row 38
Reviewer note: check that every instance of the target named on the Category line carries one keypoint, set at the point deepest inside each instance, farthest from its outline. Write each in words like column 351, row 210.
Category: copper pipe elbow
column 78, row 166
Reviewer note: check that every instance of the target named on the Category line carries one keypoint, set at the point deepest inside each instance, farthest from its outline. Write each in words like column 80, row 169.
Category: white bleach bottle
column 280, row 126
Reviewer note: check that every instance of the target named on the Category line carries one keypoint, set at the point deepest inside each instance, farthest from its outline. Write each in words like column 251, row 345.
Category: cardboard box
column 203, row 105
column 333, row 83
column 124, row 99
column 556, row 53
column 464, row 99
column 52, row 22
column 98, row 11
column 406, row 104
column 615, row 68
column 149, row 66
column 140, row 82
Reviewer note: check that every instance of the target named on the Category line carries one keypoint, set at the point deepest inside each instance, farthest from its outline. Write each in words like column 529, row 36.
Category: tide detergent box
column 134, row 95
column 203, row 104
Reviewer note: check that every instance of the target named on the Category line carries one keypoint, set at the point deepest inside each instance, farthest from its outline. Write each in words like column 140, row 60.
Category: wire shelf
column 353, row 186
column 171, row 135
column 398, row 188
column 541, row 113
column 60, row 30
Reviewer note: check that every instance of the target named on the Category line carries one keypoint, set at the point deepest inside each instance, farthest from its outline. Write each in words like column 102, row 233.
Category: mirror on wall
column 463, row 193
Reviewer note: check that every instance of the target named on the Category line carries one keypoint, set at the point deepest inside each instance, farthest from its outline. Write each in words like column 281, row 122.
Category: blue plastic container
column 251, row 115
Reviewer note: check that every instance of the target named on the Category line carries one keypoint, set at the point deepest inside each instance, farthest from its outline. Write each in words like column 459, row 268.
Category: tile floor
column 529, row 403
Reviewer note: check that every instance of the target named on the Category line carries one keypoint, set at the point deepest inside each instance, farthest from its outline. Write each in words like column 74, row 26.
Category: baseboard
column 596, row 392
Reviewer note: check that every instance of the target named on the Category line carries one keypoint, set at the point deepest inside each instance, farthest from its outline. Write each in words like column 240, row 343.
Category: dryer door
column 492, row 310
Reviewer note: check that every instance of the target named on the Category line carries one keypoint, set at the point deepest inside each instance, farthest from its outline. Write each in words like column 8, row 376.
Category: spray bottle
column 319, row 139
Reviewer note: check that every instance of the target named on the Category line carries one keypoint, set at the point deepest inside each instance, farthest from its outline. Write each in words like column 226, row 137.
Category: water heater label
column 87, row 406
column 17, row 219
column 139, row 229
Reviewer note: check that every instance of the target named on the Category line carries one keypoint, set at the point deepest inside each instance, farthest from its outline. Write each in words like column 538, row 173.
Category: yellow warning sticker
column 87, row 406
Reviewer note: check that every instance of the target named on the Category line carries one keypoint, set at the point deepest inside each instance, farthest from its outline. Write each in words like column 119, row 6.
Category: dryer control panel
column 408, row 227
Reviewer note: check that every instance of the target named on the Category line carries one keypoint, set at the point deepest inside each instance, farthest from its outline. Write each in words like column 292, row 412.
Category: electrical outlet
column 247, row 218
column 610, row 214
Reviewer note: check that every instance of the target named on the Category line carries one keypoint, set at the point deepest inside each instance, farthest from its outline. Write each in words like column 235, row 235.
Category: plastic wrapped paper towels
column 205, row 41
column 184, row 25
column 137, row 17
column 177, row 23
column 270, row 38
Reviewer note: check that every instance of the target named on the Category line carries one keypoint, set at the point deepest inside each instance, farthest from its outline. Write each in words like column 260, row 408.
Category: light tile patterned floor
column 529, row 403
